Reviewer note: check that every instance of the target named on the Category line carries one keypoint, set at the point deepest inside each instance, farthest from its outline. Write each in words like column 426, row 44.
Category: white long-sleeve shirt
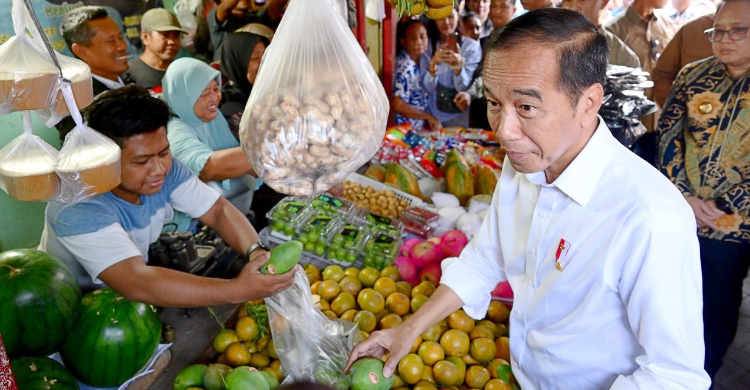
column 625, row 311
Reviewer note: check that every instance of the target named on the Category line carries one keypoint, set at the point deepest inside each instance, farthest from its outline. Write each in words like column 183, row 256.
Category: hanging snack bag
column 28, row 77
column 79, row 75
column 27, row 167
column 89, row 163
column 317, row 111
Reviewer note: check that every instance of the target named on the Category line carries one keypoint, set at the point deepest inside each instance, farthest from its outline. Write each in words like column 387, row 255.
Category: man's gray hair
column 75, row 26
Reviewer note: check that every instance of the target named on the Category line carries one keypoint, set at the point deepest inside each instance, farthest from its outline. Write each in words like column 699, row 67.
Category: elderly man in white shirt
column 597, row 245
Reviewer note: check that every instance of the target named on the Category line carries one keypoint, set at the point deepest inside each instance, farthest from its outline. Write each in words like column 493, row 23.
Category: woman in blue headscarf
column 200, row 137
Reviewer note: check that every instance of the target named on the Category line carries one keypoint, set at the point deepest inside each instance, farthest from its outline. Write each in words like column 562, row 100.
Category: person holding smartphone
column 448, row 70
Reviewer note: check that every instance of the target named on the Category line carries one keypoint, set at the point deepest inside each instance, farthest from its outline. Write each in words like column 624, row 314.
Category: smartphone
column 452, row 40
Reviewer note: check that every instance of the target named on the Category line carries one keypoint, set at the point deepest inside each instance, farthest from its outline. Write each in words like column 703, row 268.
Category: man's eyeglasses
column 735, row 34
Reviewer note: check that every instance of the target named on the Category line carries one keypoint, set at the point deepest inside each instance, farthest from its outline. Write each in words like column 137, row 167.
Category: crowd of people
column 697, row 51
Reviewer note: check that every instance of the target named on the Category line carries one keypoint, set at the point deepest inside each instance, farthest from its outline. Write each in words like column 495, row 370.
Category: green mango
column 246, row 378
column 272, row 382
column 283, row 258
column 214, row 376
column 190, row 376
column 367, row 374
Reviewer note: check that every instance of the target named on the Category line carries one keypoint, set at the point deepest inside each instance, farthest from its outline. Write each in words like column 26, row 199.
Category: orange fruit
column 397, row 381
column 276, row 365
column 330, row 314
column 271, row 350
column 352, row 272
column 323, row 305
column 425, row 385
column 468, row 360
column 397, row 303
column 314, row 287
column 391, row 272
column 371, row 300
column 455, row 342
column 222, row 359
column 410, row 368
column 461, row 321
column 379, row 315
column 404, row 288
column 491, row 326
column 415, row 345
column 439, row 3
column 430, row 352
column 385, row 286
column 364, row 334
column 427, row 374
column 432, row 333
column 237, row 355
column 417, row 300
column 483, row 350
column 497, row 384
column 494, row 364
column 329, row 289
column 502, row 348
column 461, row 366
column 439, row 13
column 250, row 345
column 262, row 342
column 368, row 276
column 274, row 373
column 349, row 315
column 312, row 272
column 445, row 372
column 443, row 327
column 425, row 288
column 481, row 332
column 497, row 312
column 390, row 321
column 259, row 360
column 342, row 303
column 352, row 285
column 333, row 272
column 476, row 377
column 502, row 330
column 366, row 320
column 223, row 339
column 246, row 328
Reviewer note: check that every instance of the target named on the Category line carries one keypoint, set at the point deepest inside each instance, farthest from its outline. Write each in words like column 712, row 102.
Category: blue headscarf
column 192, row 141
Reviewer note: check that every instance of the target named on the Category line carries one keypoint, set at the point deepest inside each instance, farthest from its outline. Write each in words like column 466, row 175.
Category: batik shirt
column 409, row 88
column 705, row 142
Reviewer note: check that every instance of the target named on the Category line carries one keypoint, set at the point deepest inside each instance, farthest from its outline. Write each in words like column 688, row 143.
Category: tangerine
column 237, row 355
column 417, row 300
column 481, row 332
column 415, row 345
column 385, row 286
column 461, row 366
column 223, row 339
column 329, row 289
column 371, row 300
column 425, row 288
column 333, row 272
column 397, row 303
column 445, row 372
column 502, row 348
column 352, row 285
column 430, row 352
column 330, row 314
column 476, row 377
column 342, row 303
column 368, row 276
column 433, row 333
column 483, row 349
column 497, row 384
column 390, row 321
column 323, row 305
column 495, row 328
column 455, row 342
column 260, row 360
column 314, row 287
column 425, row 385
column 391, row 272
column 404, row 288
column 410, row 368
column 352, row 272
column 497, row 312
column 461, row 321
column 427, row 374
column 247, row 328
column 366, row 320
column 349, row 315
column 495, row 364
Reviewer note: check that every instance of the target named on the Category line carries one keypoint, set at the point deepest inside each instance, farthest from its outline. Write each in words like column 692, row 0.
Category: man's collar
column 109, row 83
column 634, row 17
column 581, row 177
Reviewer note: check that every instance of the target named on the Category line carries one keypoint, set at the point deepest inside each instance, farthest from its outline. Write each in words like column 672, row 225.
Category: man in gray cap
column 160, row 34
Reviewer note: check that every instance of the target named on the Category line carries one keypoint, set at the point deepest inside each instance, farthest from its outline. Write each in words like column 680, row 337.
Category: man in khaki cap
column 160, row 34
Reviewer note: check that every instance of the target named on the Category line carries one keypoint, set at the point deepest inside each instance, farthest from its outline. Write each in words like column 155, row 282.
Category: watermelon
column 42, row 373
column 39, row 300
column 112, row 340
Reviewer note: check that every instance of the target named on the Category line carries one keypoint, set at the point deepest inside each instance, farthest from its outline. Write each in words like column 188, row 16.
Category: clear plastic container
column 377, row 224
column 317, row 230
column 347, row 244
column 381, row 249
column 331, row 204
column 285, row 217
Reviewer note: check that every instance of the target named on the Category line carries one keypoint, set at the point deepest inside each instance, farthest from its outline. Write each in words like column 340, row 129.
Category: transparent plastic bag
column 79, row 75
column 625, row 102
column 27, row 167
column 317, row 111
column 89, row 162
column 28, row 76
column 310, row 345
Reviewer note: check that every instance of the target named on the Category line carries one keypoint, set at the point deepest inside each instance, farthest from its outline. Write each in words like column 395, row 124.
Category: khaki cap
column 159, row 19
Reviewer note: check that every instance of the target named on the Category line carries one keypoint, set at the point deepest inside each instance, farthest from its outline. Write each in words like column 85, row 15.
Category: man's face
column 146, row 160
column 532, row 5
column 501, row 12
column 164, row 45
column 534, row 122
column 107, row 53
column 481, row 7
column 733, row 15
column 472, row 28
column 589, row 8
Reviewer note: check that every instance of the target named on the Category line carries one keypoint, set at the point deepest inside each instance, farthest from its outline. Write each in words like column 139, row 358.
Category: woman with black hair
column 448, row 70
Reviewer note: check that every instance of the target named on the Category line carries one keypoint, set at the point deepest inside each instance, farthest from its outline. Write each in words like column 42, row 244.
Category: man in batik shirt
column 705, row 151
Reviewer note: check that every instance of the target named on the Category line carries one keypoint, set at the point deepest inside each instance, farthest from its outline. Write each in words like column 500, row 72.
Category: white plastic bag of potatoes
column 317, row 111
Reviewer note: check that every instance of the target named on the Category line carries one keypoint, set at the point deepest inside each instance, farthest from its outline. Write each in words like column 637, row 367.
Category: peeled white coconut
column 442, row 200
column 469, row 223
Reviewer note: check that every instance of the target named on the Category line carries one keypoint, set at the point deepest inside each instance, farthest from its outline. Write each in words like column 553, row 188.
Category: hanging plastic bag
column 88, row 163
column 310, row 345
column 28, row 77
column 27, row 167
column 79, row 75
column 317, row 110
column 625, row 102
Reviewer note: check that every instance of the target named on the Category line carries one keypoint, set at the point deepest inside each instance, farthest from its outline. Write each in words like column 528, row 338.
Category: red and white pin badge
column 562, row 253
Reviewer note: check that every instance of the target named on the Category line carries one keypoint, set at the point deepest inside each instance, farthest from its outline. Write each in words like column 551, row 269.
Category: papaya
column 459, row 181
column 484, row 180
column 453, row 156
column 376, row 172
column 402, row 179
column 283, row 258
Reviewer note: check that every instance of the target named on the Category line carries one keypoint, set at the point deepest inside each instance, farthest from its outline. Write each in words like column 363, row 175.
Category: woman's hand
column 435, row 124
column 705, row 212
column 462, row 100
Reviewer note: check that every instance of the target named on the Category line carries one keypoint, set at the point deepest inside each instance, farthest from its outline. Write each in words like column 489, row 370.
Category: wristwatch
column 723, row 205
column 255, row 246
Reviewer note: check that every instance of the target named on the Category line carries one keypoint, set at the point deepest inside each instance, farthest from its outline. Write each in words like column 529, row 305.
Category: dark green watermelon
column 41, row 373
column 39, row 300
column 112, row 340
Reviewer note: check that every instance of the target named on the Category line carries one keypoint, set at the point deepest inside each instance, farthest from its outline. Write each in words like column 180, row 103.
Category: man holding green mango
column 105, row 239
